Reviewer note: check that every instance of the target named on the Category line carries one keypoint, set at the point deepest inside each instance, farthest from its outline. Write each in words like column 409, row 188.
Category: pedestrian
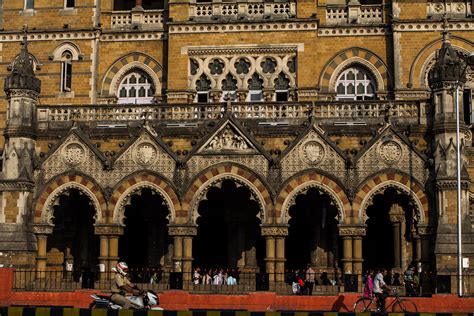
column 369, row 284
column 197, row 275
column 309, row 279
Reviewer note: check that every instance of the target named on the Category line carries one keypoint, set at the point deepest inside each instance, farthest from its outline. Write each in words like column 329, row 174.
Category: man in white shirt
column 379, row 287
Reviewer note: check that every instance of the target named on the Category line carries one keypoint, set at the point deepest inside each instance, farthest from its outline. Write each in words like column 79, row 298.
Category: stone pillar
column 347, row 254
column 403, row 246
column 183, row 250
column 425, row 232
column 416, row 247
column 42, row 231
column 275, row 251
column 352, row 248
column 397, row 217
column 109, row 240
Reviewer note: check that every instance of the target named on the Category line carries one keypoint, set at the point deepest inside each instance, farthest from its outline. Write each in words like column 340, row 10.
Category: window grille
column 355, row 84
column 136, row 88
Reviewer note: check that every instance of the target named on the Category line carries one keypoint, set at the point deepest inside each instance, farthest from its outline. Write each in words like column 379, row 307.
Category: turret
column 22, row 89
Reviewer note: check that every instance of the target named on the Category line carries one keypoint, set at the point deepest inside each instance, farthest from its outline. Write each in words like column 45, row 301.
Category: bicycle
column 398, row 304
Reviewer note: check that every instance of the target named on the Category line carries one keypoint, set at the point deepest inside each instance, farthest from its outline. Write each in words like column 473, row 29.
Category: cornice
column 270, row 26
column 7, row 185
column 354, row 31
column 244, row 49
column 431, row 26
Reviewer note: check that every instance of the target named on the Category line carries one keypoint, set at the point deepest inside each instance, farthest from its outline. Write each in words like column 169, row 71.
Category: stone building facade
column 263, row 135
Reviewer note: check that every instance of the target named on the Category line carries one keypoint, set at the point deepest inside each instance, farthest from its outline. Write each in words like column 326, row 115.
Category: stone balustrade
column 117, row 114
column 457, row 8
column 249, row 10
column 146, row 19
column 361, row 14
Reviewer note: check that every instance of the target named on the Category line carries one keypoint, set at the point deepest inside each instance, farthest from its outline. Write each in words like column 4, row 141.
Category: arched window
column 66, row 71
column 355, row 83
column 29, row 4
column 229, row 88
column 255, row 88
column 136, row 88
column 203, row 85
column 282, row 84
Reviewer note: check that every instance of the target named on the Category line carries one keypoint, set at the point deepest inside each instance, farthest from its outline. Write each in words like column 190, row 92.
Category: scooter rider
column 122, row 286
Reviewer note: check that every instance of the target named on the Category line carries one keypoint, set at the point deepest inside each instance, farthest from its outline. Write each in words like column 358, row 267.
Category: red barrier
column 257, row 301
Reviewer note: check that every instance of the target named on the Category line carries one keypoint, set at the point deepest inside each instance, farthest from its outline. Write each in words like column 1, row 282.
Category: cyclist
column 381, row 289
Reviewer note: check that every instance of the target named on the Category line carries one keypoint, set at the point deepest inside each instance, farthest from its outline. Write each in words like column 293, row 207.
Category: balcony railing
column 362, row 14
column 251, row 10
column 364, row 110
column 152, row 19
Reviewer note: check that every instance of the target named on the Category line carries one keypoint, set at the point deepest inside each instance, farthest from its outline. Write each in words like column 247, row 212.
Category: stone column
column 109, row 240
column 425, row 232
column 183, row 250
column 275, row 251
column 347, row 254
column 357, row 254
column 397, row 216
column 416, row 247
column 42, row 231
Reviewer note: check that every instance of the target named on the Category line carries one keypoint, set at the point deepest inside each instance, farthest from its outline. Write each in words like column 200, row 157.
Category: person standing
column 369, row 284
column 379, row 289
column 309, row 279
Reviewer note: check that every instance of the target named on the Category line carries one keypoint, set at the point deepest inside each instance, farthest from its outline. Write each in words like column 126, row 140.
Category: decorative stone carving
column 228, row 140
column 182, row 230
column 43, row 229
column 347, row 230
column 73, row 154
column 274, row 230
column 390, row 152
column 313, row 152
column 145, row 153
column 6, row 185
column 112, row 230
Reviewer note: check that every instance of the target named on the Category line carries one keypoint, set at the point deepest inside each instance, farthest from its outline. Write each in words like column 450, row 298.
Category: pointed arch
column 301, row 184
column 425, row 58
column 124, row 65
column 61, row 184
column 400, row 182
column 67, row 46
column 135, row 183
column 214, row 176
column 355, row 56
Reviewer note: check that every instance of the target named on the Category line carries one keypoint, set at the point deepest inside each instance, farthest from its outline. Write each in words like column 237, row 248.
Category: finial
column 445, row 33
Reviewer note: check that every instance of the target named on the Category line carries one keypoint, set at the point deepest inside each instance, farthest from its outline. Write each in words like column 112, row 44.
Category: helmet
column 122, row 268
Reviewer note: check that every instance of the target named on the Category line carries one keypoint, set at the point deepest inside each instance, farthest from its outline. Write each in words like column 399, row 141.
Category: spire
column 449, row 66
column 22, row 75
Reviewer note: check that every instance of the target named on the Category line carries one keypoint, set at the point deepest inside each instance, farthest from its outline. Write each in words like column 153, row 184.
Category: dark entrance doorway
column 145, row 242
column 387, row 243
column 313, row 233
column 73, row 240
column 229, row 233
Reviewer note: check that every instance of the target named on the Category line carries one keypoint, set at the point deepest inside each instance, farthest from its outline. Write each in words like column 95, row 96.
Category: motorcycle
column 148, row 300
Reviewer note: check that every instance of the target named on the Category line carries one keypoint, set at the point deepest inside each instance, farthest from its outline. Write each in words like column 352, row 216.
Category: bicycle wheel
column 405, row 306
column 363, row 304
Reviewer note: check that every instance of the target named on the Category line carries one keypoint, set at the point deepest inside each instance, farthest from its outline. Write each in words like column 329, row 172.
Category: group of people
column 215, row 276
column 303, row 281
column 379, row 284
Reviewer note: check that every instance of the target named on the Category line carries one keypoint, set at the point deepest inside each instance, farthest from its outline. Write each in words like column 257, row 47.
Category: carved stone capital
column 182, row 230
column 110, row 230
column 397, row 218
column 42, row 229
column 6, row 185
column 448, row 184
column 352, row 230
column 426, row 230
column 274, row 230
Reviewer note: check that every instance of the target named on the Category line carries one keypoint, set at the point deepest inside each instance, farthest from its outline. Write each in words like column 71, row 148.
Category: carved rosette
column 358, row 230
column 145, row 154
column 110, row 230
column 274, row 230
column 73, row 154
column 312, row 152
column 182, row 230
column 390, row 152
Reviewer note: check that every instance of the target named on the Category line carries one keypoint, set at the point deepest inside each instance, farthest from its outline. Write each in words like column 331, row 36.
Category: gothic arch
column 353, row 57
column 134, row 184
column 214, row 177
column 426, row 55
column 120, row 68
column 67, row 46
column 402, row 183
column 301, row 185
column 58, row 186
